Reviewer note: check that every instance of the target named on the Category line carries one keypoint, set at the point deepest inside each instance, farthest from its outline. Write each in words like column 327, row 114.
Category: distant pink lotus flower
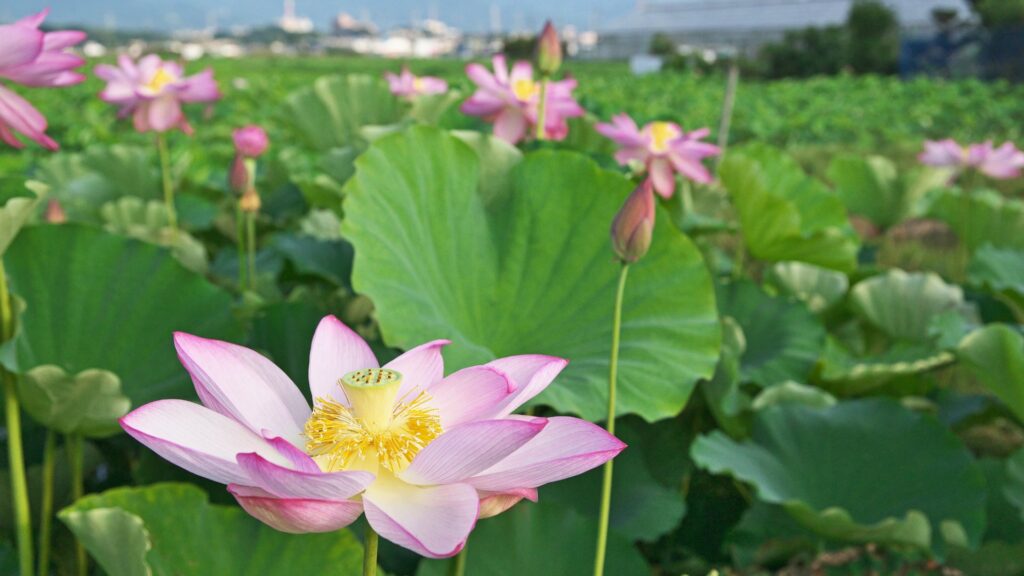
column 407, row 85
column 1002, row 163
column 422, row 455
column 153, row 90
column 31, row 57
column 662, row 149
column 250, row 141
column 510, row 100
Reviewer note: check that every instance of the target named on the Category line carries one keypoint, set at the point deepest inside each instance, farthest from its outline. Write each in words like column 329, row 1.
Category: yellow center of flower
column 524, row 89
column 160, row 79
column 661, row 134
column 417, row 84
column 378, row 429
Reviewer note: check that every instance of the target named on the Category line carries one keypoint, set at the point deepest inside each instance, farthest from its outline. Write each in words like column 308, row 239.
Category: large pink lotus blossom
column 510, row 101
column 1002, row 163
column 407, row 85
column 31, row 57
column 422, row 455
column 661, row 149
column 152, row 91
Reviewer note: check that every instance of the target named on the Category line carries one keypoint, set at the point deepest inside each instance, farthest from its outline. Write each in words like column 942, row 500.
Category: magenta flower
column 1002, row 163
column 153, row 90
column 250, row 141
column 422, row 455
column 31, row 57
column 661, row 149
column 510, row 100
column 407, row 85
column 633, row 226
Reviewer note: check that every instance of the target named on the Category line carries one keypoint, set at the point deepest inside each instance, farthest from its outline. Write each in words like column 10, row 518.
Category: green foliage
column 995, row 355
column 88, row 403
column 331, row 113
column 874, row 38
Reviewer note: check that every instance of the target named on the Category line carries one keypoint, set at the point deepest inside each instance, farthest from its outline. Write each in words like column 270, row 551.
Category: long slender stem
column 240, row 232
column 458, row 565
column 73, row 446
column 15, row 455
column 542, row 109
column 613, row 372
column 727, row 108
column 250, row 228
column 370, row 552
column 165, row 171
column 46, row 505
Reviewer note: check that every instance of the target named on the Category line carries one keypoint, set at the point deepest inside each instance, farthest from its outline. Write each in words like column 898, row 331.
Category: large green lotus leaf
column 1000, row 271
column 16, row 207
column 97, row 300
column 793, row 393
column 819, row 288
column 785, row 214
column 871, row 187
column 723, row 392
column 171, row 529
column 82, row 182
column 849, row 374
column 863, row 471
column 529, row 271
column 995, row 355
column 543, row 539
column 783, row 338
column 284, row 331
column 768, row 535
column 1002, row 554
column 331, row 112
column 902, row 304
column 983, row 217
column 88, row 403
column 148, row 221
column 330, row 260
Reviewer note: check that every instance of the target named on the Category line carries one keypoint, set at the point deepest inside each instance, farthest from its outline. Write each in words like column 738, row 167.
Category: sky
column 470, row 15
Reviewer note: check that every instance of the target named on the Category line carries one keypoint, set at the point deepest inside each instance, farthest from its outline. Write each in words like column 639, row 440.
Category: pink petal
column 287, row 483
column 433, row 521
column 17, row 114
column 196, row 438
column 61, row 39
column 336, row 351
column 471, row 394
column 200, row 87
column 432, row 85
column 566, row 447
column 690, row 167
column 500, row 69
column 420, row 367
column 296, row 515
column 163, row 113
column 510, row 125
column 243, row 385
column 531, row 374
column 482, row 77
column 50, row 69
column 624, row 131
column 468, row 449
column 298, row 459
column 482, row 104
column 521, row 70
column 19, row 45
column 662, row 177
column 494, row 503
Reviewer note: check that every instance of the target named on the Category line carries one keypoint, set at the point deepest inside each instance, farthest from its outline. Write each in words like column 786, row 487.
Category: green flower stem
column 458, row 564
column 370, row 552
column 46, row 506
column 73, row 446
column 15, row 455
column 542, row 109
column 250, row 232
column 165, row 171
column 613, row 370
column 240, row 232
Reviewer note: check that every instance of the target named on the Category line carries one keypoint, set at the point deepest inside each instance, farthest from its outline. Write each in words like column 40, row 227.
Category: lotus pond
column 389, row 314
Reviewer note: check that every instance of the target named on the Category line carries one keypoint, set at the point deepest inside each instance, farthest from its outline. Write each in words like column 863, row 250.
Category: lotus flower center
column 417, row 84
column 525, row 89
column 376, row 429
column 160, row 79
column 661, row 134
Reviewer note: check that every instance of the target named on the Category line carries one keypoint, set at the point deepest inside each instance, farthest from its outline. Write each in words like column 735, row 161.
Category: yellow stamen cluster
column 160, row 79
column 525, row 89
column 661, row 134
column 340, row 437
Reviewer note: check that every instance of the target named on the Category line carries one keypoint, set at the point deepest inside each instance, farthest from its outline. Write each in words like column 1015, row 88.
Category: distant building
column 746, row 24
column 291, row 23
column 345, row 25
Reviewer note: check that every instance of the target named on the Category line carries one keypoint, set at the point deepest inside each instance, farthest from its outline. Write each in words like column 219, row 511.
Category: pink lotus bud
column 238, row 177
column 549, row 50
column 55, row 212
column 634, row 224
column 250, row 141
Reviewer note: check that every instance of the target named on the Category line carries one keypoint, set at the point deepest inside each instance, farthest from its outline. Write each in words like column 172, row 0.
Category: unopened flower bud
column 549, row 50
column 634, row 224
column 250, row 141
column 55, row 212
column 238, row 176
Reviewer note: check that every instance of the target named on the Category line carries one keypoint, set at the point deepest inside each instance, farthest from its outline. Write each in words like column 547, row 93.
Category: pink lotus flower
column 31, row 57
column 1003, row 163
column 422, row 455
column 510, row 100
column 662, row 149
column 153, row 90
column 250, row 141
column 407, row 85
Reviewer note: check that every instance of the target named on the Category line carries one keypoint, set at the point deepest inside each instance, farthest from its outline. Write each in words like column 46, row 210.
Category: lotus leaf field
column 817, row 355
